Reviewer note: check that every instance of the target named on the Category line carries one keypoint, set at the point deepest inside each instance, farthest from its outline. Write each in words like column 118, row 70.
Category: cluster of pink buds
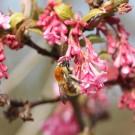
column 127, row 100
column 54, row 29
column 122, row 52
column 124, row 8
column 63, row 122
column 11, row 42
column 4, row 24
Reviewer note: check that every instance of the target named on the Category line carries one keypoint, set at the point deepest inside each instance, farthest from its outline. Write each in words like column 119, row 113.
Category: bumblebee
column 68, row 85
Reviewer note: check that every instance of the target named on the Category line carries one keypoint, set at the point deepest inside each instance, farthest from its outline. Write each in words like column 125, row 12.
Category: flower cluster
column 63, row 122
column 4, row 24
column 6, row 39
column 127, row 100
column 125, row 54
column 87, row 65
column 54, row 29
column 11, row 42
column 120, row 49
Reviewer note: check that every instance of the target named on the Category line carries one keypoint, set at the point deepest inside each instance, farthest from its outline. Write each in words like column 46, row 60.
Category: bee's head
column 64, row 64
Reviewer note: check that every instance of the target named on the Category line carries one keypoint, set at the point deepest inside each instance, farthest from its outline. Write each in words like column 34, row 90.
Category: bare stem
column 77, row 112
column 35, row 103
column 40, row 50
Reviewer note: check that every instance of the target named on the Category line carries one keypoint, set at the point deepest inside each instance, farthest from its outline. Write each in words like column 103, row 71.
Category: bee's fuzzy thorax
column 58, row 73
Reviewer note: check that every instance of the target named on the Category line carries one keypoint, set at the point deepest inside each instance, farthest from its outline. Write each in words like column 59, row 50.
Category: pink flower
column 63, row 122
column 4, row 21
column 122, row 52
column 124, row 8
column 111, row 42
column 127, row 100
column 3, row 71
column 124, row 56
column 11, row 42
column 3, row 68
column 112, row 71
column 1, row 44
column 74, row 48
column 97, row 102
column 2, row 56
column 77, row 24
column 54, row 29
column 87, row 66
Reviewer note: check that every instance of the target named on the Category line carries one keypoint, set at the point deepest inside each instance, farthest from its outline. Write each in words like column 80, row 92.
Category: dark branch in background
column 40, row 50
column 34, row 104
column 21, row 108
column 77, row 112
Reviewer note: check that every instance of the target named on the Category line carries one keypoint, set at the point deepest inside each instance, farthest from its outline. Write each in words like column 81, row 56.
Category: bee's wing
column 62, row 94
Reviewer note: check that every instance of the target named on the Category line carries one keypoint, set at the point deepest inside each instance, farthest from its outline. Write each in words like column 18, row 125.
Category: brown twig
column 33, row 104
column 21, row 108
column 40, row 50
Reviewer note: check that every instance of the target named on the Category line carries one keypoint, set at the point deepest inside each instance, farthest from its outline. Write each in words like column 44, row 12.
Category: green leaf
column 92, row 13
column 16, row 18
column 93, row 39
column 64, row 11
column 36, row 30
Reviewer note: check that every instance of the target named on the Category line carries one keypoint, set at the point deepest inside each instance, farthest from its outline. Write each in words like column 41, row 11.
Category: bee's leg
column 74, row 79
column 64, row 99
column 70, row 70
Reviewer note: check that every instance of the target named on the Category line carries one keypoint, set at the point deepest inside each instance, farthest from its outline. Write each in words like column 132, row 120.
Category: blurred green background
column 31, row 77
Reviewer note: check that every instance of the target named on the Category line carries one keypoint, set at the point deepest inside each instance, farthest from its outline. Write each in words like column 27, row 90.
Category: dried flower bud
column 4, row 99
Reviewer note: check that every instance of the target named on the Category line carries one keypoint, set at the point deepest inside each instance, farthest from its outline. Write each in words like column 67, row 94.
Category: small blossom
column 54, row 29
column 111, row 42
column 4, row 21
column 2, row 56
column 77, row 23
column 124, row 8
column 1, row 44
column 63, row 122
column 127, row 100
column 112, row 71
column 3, row 68
column 3, row 71
column 11, row 42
